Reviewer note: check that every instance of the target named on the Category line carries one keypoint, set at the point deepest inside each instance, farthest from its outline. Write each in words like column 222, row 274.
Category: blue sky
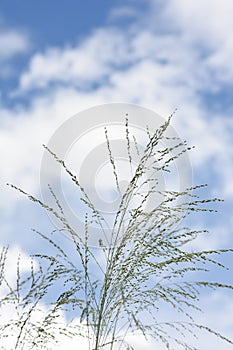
column 56, row 23
column 58, row 58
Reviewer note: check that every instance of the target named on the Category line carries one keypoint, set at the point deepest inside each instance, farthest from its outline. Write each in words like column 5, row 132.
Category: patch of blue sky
column 56, row 22
column 219, row 100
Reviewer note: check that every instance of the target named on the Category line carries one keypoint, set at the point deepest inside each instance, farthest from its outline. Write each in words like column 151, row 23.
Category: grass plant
column 119, row 288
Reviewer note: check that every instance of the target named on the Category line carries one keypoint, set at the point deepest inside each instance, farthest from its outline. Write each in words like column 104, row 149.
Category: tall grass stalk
column 118, row 289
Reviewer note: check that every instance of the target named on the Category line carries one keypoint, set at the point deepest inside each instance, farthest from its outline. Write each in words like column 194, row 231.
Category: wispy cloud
column 12, row 43
column 207, row 26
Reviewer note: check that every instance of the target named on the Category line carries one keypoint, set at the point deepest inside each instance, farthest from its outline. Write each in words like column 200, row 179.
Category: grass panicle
column 119, row 289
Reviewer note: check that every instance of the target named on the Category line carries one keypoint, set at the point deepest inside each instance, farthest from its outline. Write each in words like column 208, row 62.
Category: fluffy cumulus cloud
column 207, row 25
column 77, row 65
column 172, row 56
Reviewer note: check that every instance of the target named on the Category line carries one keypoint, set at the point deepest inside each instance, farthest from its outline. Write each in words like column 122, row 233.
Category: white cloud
column 208, row 21
column 194, row 42
column 79, row 65
column 123, row 12
column 12, row 43
column 24, row 131
column 209, row 25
